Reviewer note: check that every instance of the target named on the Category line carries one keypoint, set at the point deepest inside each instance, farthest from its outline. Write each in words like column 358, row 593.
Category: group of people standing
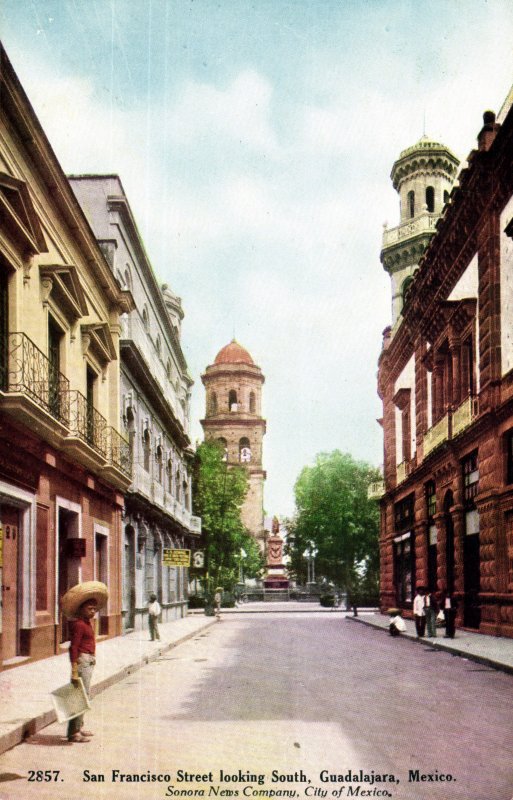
column 428, row 606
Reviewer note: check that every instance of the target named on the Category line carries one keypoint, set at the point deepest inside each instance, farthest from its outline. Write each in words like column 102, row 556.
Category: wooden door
column 10, row 590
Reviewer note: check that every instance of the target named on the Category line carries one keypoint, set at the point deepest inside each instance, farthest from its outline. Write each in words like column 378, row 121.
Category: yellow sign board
column 176, row 558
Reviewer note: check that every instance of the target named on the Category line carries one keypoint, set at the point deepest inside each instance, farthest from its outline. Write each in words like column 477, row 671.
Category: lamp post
column 310, row 553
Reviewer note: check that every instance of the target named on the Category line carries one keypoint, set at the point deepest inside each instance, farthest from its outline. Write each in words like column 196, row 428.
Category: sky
column 254, row 140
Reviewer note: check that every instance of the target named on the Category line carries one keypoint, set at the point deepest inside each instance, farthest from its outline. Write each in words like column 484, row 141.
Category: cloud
column 239, row 113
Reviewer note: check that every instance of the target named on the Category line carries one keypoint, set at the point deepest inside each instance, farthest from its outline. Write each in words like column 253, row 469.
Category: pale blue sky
column 255, row 142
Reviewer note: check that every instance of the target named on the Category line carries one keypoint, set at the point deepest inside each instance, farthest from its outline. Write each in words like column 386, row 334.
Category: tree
column 218, row 495
column 334, row 517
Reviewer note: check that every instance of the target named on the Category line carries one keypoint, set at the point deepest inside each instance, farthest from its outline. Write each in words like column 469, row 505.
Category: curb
column 446, row 648
column 31, row 726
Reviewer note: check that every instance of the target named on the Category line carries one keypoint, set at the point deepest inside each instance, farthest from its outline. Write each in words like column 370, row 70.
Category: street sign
column 198, row 559
column 176, row 558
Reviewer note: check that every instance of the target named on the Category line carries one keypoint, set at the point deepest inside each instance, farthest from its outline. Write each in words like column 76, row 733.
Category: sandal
column 77, row 738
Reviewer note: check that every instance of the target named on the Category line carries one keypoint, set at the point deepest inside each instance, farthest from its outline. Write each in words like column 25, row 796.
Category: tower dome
column 423, row 176
column 233, row 353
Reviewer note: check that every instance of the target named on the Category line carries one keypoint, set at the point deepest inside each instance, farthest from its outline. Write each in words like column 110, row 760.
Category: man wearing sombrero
column 81, row 604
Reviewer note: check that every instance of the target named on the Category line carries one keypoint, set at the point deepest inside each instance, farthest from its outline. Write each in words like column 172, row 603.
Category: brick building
column 446, row 381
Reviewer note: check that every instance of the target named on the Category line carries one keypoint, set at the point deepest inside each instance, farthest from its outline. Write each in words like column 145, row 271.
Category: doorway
column 9, row 516
column 68, row 564
column 129, row 579
column 471, row 570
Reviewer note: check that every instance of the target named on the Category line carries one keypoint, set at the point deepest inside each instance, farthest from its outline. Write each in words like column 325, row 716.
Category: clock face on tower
column 245, row 454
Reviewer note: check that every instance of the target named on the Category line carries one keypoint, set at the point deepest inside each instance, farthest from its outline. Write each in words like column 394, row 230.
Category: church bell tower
column 233, row 386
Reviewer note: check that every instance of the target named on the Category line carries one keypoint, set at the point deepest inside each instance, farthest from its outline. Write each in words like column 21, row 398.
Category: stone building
column 155, row 393
column 64, row 466
column 446, row 381
column 233, row 386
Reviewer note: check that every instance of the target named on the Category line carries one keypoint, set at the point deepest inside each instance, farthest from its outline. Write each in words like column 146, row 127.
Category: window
column 232, row 400
column 403, row 568
column 145, row 319
column 213, row 403
column 252, row 403
column 54, row 367
column 470, row 480
column 432, row 536
column 403, row 512
column 128, row 278
column 509, row 456
column 430, row 199
column 411, row 204
column 467, row 367
column 159, row 463
column 91, row 378
column 446, row 196
column 146, row 449
column 244, row 450
column 169, row 470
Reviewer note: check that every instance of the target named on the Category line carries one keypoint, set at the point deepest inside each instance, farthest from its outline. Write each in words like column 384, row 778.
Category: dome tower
column 233, row 386
column 423, row 176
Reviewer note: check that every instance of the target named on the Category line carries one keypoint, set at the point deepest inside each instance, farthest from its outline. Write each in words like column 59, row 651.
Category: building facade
column 64, row 466
column 233, row 386
column 155, row 397
column 446, row 381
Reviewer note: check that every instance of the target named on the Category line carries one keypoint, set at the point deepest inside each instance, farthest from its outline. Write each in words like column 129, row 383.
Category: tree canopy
column 334, row 517
column 218, row 495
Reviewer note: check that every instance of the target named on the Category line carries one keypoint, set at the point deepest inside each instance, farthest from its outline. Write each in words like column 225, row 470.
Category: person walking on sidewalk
column 419, row 611
column 431, row 609
column 81, row 604
column 449, row 606
column 153, row 617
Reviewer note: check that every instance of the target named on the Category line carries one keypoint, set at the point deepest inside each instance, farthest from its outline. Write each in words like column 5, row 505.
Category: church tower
column 423, row 176
column 233, row 386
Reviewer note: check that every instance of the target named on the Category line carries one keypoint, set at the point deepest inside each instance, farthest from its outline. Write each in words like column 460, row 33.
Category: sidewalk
column 493, row 651
column 26, row 706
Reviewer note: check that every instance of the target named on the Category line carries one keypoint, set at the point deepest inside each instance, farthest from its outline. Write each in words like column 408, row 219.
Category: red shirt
column 81, row 638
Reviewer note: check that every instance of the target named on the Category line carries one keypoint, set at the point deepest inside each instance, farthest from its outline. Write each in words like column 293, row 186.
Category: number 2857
column 43, row 776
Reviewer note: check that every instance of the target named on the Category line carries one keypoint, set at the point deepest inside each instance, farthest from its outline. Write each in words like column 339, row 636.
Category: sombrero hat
column 90, row 590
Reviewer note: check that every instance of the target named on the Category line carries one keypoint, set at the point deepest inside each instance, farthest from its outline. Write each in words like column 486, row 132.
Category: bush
column 195, row 601
column 327, row 600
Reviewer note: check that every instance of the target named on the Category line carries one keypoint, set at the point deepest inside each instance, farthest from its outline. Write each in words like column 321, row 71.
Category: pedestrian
column 80, row 604
column 431, row 610
column 419, row 611
column 153, row 617
column 449, row 606
column 397, row 624
column 218, row 596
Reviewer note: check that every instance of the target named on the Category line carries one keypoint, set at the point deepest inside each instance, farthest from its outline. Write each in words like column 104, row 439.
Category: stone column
column 421, row 553
column 438, row 392
column 441, row 561
column 455, row 349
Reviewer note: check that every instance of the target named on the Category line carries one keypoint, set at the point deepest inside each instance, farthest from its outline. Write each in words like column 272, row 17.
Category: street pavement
column 311, row 698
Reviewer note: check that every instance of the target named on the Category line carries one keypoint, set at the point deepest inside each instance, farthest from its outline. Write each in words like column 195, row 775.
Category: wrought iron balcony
column 119, row 452
column 86, row 423
column 31, row 373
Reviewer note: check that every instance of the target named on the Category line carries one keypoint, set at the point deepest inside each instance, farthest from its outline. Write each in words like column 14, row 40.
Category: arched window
column 213, row 403
column 244, row 450
column 159, row 463
column 146, row 449
column 130, row 426
column 411, row 203
column 405, row 287
column 169, row 470
column 252, row 403
column 232, row 400
column 430, row 199
column 145, row 319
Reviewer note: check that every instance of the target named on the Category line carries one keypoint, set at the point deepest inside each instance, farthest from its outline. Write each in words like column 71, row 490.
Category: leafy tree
column 218, row 495
column 334, row 517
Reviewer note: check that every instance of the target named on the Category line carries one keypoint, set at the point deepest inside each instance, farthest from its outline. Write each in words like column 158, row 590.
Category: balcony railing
column 87, row 423
column 463, row 415
column 376, row 490
column 30, row 372
column 119, row 453
column 423, row 223
column 436, row 435
column 402, row 471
